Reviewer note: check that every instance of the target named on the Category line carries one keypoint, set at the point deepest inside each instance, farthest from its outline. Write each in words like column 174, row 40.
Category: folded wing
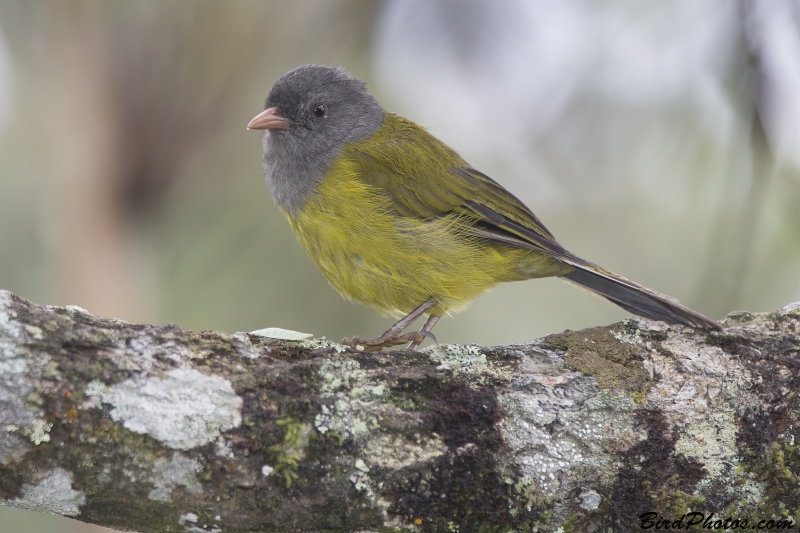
column 447, row 184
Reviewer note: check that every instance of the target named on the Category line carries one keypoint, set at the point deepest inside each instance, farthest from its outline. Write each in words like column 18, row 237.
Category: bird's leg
column 392, row 337
column 426, row 332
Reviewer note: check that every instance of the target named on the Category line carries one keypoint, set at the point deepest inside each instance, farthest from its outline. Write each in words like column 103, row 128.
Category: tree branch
column 155, row 428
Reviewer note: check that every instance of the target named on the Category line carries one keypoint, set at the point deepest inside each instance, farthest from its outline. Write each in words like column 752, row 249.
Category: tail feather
column 636, row 298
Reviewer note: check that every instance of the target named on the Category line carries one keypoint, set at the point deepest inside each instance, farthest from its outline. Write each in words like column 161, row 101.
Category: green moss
column 205, row 519
column 675, row 502
column 597, row 353
column 529, row 496
column 639, row 396
column 573, row 524
column 778, row 471
column 286, row 454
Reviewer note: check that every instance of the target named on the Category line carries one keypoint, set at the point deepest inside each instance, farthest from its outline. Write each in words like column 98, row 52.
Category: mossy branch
column 152, row 428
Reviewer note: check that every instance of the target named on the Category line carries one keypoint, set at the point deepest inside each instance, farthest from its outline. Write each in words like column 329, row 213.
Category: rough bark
column 154, row 428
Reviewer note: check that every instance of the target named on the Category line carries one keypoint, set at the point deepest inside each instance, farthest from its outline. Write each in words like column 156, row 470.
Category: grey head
column 311, row 113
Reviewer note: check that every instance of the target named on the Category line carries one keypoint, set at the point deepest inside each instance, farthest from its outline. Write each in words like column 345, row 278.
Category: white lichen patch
column 40, row 431
column 590, row 500
column 362, row 483
column 457, row 357
column 34, row 331
column 19, row 425
column 187, row 517
column 281, row 334
column 698, row 379
column 224, row 448
column 194, row 529
column 141, row 354
column 338, row 373
column 638, row 325
column 354, row 408
column 361, row 465
column 557, row 457
column 395, row 452
column 12, row 366
column 751, row 492
column 712, row 442
column 784, row 320
column 184, row 409
column 53, row 494
column 347, row 415
column 178, row 471
column 322, row 343
column 557, row 428
column 96, row 393
column 468, row 360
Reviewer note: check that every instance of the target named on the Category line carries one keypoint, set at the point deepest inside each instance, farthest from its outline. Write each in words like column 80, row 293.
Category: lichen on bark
column 156, row 428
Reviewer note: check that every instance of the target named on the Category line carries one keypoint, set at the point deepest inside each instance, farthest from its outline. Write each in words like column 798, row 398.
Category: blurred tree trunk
column 155, row 428
column 121, row 96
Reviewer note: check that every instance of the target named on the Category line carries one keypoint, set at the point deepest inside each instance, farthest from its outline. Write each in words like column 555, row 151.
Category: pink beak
column 268, row 120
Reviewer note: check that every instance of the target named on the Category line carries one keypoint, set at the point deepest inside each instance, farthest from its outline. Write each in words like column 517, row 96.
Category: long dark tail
column 636, row 298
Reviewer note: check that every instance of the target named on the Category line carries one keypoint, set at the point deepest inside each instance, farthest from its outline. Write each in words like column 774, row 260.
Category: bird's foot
column 422, row 334
column 385, row 341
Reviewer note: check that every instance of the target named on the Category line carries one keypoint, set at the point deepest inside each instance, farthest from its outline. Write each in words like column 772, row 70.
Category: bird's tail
column 636, row 298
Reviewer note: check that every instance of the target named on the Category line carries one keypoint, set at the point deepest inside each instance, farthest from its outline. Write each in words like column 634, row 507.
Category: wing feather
column 445, row 184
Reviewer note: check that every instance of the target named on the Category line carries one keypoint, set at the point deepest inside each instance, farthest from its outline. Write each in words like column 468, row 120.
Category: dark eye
column 319, row 111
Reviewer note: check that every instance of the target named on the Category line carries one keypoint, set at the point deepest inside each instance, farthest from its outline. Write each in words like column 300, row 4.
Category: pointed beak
column 268, row 120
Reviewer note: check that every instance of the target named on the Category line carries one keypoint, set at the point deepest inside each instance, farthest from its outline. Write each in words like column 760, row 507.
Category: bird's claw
column 379, row 343
column 422, row 334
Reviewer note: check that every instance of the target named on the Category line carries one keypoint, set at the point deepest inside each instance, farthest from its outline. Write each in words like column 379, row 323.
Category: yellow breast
column 373, row 255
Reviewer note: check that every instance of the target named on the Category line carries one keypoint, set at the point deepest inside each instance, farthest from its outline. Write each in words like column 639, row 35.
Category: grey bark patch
column 467, row 483
column 653, row 476
column 8, row 324
column 17, row 419
column 12, row 447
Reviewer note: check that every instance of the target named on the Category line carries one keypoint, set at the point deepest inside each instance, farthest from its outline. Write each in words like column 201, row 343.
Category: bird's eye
column 319, row 111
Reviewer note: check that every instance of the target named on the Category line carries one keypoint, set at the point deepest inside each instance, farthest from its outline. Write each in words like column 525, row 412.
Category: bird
column 397, row 220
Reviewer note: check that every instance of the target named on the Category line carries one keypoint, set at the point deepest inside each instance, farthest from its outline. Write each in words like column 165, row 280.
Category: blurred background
column 659, row 139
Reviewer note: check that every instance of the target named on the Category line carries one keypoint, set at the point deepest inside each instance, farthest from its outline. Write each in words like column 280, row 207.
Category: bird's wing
column 424, row 178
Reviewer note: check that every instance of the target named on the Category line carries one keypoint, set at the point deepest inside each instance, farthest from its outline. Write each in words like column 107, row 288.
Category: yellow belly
column 392, row 263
